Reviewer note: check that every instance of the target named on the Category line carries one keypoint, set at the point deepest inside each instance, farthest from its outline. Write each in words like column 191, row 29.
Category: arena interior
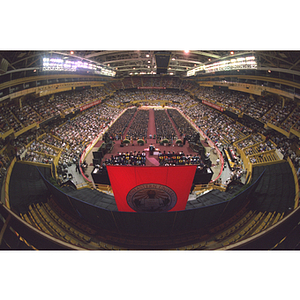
column 69, row 118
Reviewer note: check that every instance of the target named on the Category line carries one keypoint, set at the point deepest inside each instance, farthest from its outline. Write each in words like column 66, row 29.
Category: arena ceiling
column 129, row 62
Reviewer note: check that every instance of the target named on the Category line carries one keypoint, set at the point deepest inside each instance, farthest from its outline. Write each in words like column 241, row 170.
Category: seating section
column 265, row 157
column 62, row 226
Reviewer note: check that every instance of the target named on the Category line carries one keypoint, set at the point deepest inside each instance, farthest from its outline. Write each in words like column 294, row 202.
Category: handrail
column 7, row 180
column 296, row 182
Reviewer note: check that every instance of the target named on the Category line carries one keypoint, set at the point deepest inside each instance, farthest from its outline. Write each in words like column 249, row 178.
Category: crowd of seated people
column 80, row 131
column 179, row 158
column 113, row 102
column 278, row 114
column 132, row 158
column 266, row 108
column 51, row 140
column 143, row 96
column 293, row 121
column 139, row 126
column 8, row 120
column 220, row 128
column 183, row 126
column 130, row 95
column 53, row 105
column 262, row 147
column 67, row 156
column 116, row 130
column 25, row 114
column 71, row 136
column 38, row 158
column 46, row 107
column 17, row 116
column 41, row 148
column 253, row 139
column 164, row 127
column 223, row 130
column 258, row 106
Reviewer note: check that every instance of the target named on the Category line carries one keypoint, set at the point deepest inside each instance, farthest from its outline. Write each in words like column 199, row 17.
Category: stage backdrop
column 150, row 188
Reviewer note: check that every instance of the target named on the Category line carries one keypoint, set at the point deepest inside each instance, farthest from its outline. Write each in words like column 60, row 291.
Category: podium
column 151, row 149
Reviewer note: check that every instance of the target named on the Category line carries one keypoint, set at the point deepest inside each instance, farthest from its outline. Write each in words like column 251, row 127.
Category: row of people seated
column 179, row 158
column 134, row 82
column 124, row 96
column 132, row 158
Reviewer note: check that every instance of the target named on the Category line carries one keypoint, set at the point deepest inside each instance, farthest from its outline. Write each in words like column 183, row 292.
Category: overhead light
column 72, row 52
column 186, row 51
column 149, row 61
column 173, row 58
column 269, row 71
column 231, row 52
column 147, row 55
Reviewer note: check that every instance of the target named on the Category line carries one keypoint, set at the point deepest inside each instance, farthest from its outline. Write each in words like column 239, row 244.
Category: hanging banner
column 151, row 87
column 213, row 105
column 84, row 107
column 151, row 189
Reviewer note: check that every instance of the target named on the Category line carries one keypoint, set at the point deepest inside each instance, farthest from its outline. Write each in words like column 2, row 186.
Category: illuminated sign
column 227, row 65
column 58, row 64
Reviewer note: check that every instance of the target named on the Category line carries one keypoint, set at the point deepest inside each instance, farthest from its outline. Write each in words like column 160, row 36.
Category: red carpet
column 151, row 123
column 153, row 159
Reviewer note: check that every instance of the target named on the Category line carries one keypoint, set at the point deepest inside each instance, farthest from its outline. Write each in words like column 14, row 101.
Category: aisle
column 151, row 123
